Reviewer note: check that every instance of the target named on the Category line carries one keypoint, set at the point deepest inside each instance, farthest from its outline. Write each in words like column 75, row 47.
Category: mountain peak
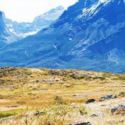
column 88, row 3
column 60, row 7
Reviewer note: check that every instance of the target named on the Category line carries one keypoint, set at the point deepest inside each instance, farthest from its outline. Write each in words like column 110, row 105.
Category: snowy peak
column 25, row 29
column 60, row 8
column 5, row 35
column 102, row 8
column 53, row 14
column 88, row 3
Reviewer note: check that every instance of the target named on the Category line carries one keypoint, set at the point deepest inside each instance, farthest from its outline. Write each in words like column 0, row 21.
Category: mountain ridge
column 24, row 29
column 6, row 36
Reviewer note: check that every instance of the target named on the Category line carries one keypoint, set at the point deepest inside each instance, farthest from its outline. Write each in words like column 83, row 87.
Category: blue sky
column 26, row 10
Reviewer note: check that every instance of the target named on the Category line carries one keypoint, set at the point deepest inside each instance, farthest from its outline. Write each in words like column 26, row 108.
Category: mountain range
column 88, row 35
column 24, row 29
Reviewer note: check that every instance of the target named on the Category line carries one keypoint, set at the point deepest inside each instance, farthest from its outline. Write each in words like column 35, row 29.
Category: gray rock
column 94, row 115
column 90, row 101
column 73, row 104
column 83, row 123
column 39, row 113
column 102, row 99
column 120, row 109
column 111, row 96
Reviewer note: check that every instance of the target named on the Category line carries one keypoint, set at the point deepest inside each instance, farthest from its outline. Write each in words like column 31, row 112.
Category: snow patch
column 55, row 47
column 113, row 56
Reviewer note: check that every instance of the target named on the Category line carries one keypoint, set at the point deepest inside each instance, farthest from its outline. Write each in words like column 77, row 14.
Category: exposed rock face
column 5, row 35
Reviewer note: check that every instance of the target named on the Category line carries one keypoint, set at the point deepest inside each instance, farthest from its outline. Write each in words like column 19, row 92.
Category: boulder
column 94, row 115
column 83, row 123
column 90, row 101
column 120, row 109
column 111, row 96
column 102, row 99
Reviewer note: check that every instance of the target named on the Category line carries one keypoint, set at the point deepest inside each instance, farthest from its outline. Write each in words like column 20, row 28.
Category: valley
column 58, row 97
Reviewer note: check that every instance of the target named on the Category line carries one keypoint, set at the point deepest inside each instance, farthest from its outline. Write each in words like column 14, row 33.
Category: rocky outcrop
column 120, row 109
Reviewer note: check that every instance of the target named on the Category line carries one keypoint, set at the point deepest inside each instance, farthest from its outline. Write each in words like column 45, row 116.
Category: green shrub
column 59, row 100
column 121, row 78
column 6, row 114
column 68, row 110
column 21, row 102
column 122, row 94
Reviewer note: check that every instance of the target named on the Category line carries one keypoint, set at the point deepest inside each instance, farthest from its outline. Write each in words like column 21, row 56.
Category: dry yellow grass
column 26, row 91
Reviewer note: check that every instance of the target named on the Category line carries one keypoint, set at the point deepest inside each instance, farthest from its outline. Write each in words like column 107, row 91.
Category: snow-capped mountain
column 6, row 36
column 49, row 17
column 89, row 35
column 25, row 28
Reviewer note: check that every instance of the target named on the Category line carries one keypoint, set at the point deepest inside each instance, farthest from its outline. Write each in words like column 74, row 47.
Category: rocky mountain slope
column 26, row 28
column 5, row 35
column 89, row 35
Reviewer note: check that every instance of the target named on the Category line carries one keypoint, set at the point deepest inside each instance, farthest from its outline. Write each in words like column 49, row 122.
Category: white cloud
column 26, row 10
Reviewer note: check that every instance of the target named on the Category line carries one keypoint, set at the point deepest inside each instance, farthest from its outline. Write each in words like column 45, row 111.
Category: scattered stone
column 48, row 123
column 73, row 104
column 103, row 105
column 102, row 99
column 111, row 96
column 39, row 113
column 83, row 123
column 94, row 115
column 90, row 101
column 120, row 109
column 122, row 94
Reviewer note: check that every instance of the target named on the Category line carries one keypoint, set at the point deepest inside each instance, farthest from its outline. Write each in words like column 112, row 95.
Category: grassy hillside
column 57, row 97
